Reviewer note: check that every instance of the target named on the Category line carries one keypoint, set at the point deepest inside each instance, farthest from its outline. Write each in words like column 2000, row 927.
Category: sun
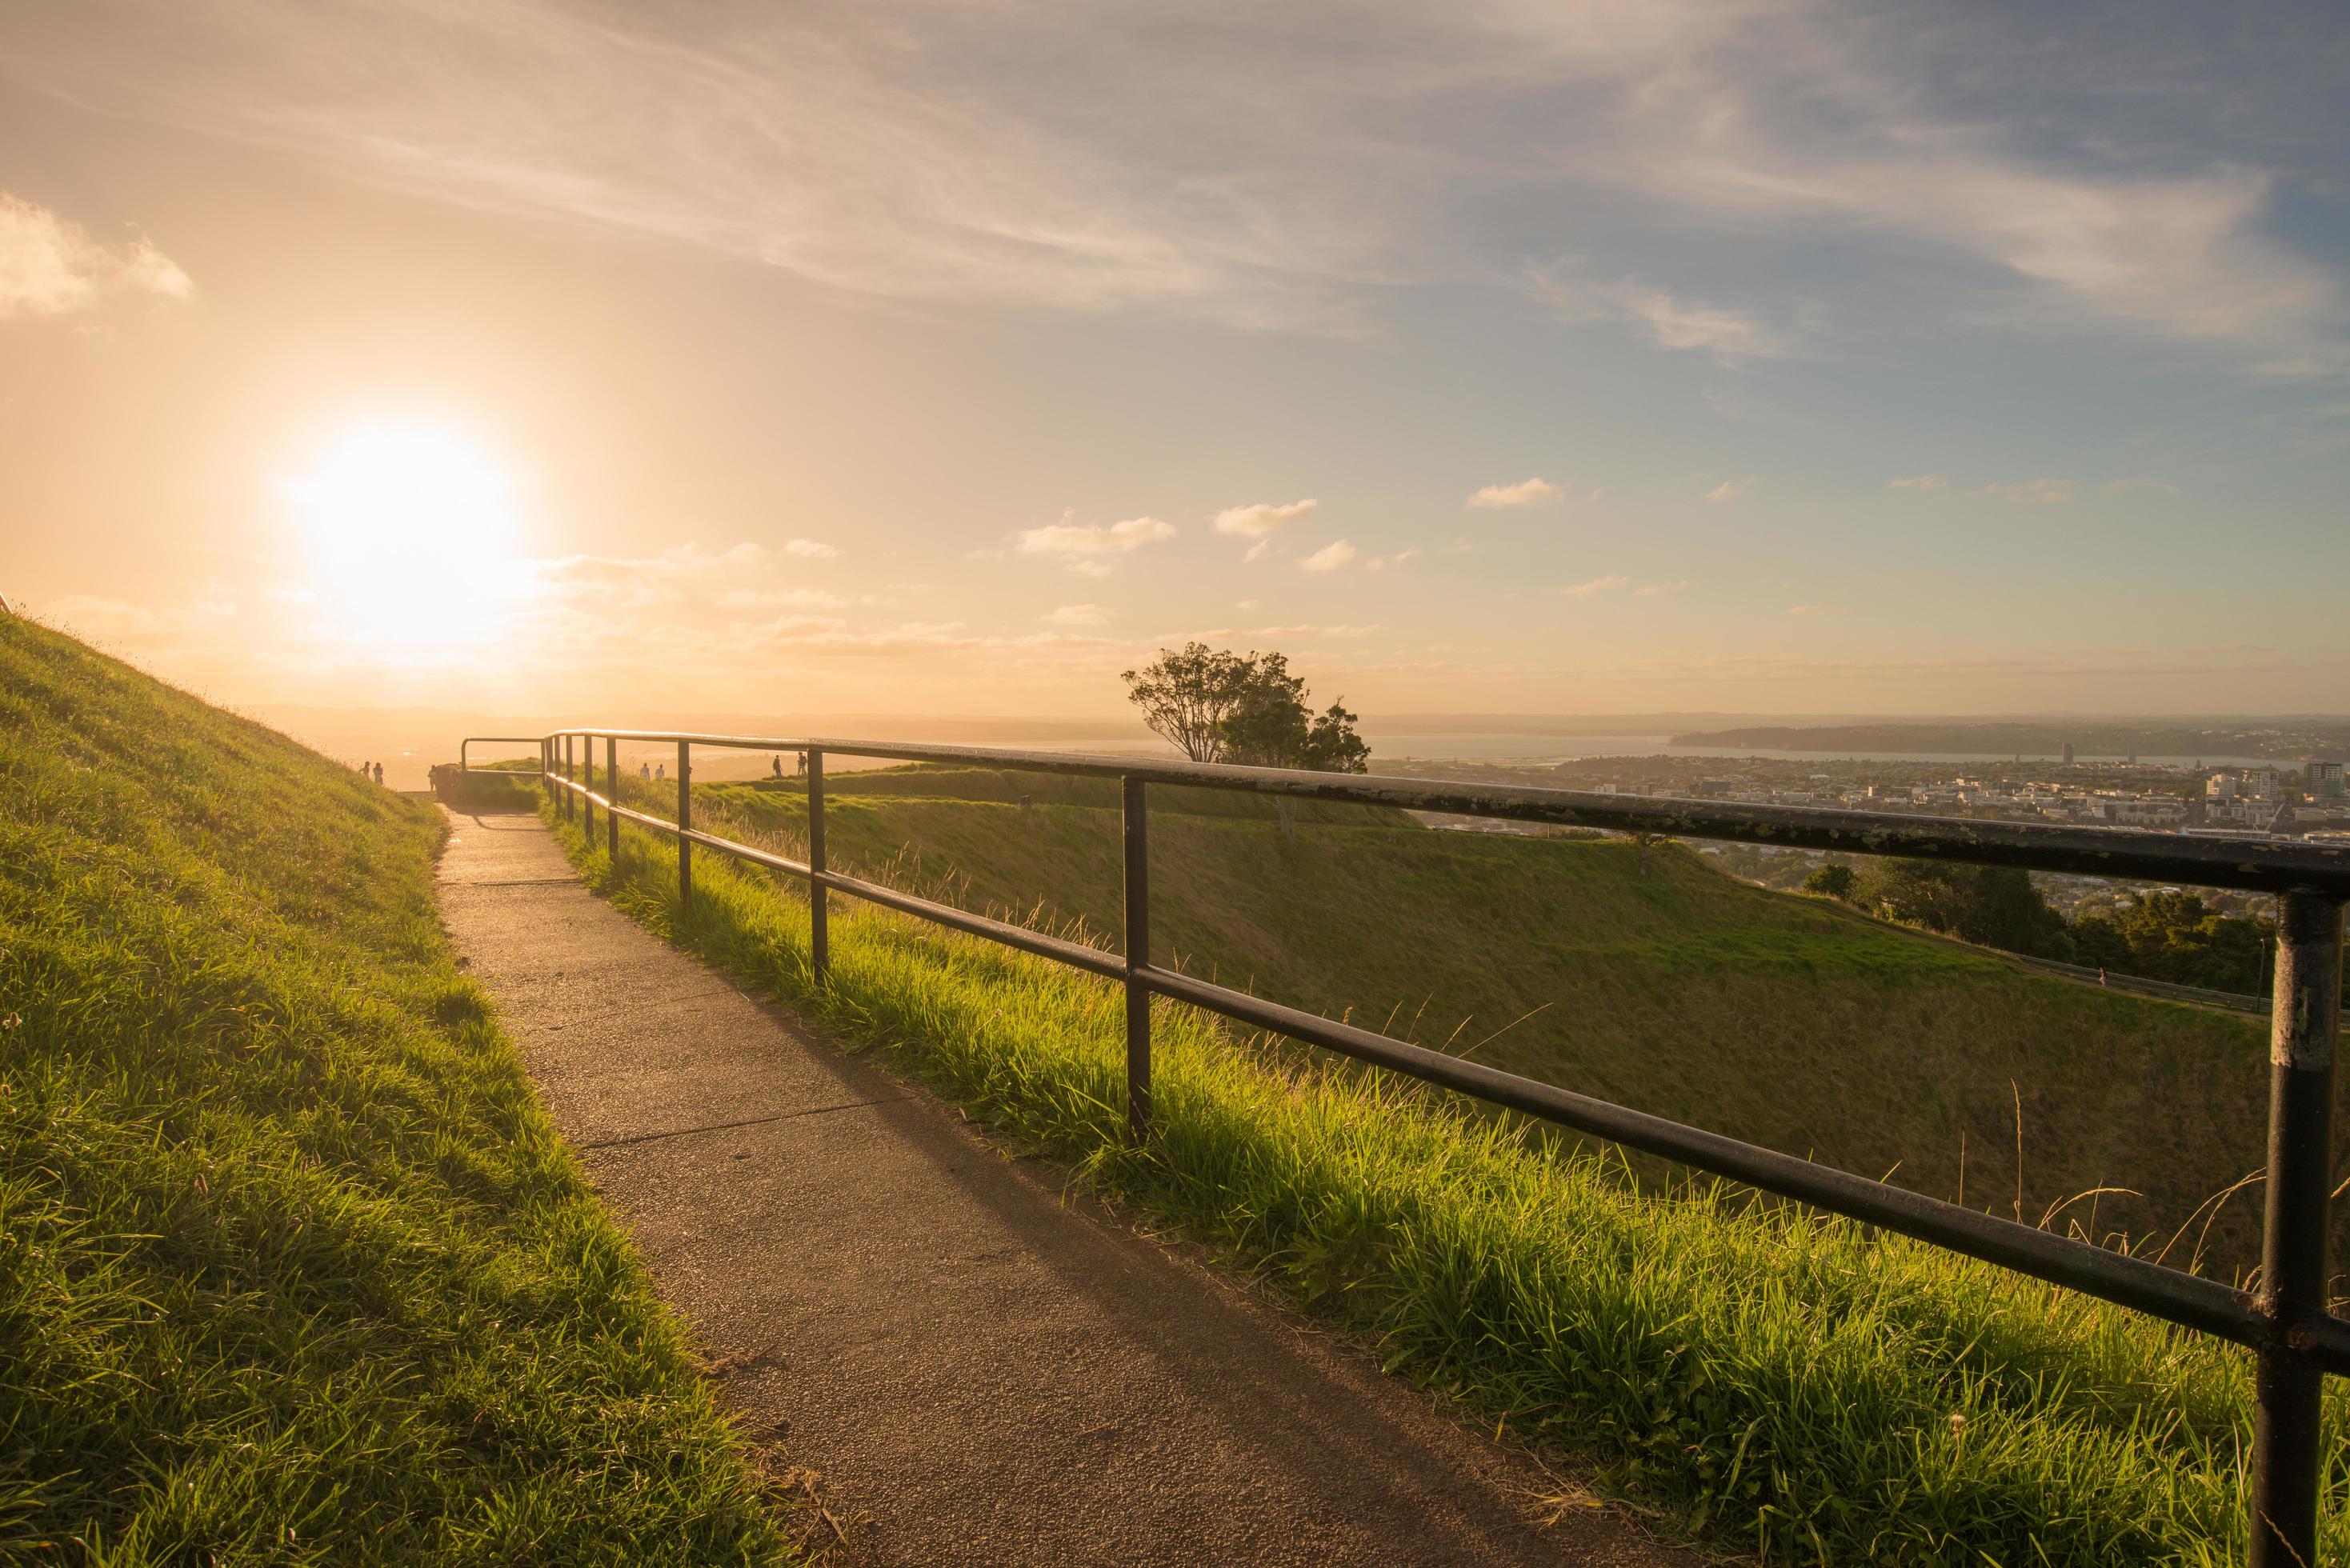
column 410, row 531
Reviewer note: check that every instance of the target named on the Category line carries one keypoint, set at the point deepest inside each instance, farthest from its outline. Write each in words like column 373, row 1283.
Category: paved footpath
column 981, row 1368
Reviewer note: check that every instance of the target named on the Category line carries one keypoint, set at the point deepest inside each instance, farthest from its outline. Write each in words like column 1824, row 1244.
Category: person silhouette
column 644, row 770
column 660, row 770
column 778, row 765
column 378, row 773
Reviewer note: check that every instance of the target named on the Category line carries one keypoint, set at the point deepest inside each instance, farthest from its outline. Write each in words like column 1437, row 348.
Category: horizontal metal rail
column 2296, row 1339
column 2140, row 854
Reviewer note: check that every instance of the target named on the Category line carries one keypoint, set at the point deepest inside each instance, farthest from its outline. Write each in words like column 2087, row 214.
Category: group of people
column 652, row 769
column 372, row 771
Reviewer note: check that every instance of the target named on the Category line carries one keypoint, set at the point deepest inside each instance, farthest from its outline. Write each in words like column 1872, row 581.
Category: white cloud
column 1082, row 546
column 812, row 549
column 1594, row 587
column 1246, row 604
column 49, row 266
column 1381, row 563
column 1075, row 616
column 1920, row 481
column 1525, row 492
column 1729, row 490
column 1328, row 558
column 1655, row 590
column 1262, row 518
column 1729, row 336
column 2032, row 492
column 1337, row 632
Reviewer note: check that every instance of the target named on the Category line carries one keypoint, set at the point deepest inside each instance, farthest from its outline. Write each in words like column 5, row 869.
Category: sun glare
column 409, row 531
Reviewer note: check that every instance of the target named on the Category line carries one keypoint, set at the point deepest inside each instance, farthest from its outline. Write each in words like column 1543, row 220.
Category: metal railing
column 2286, row 1322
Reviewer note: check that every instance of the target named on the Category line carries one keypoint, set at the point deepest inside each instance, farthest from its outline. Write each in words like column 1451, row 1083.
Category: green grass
column 1769, row 1381
column 293, row 1267
column 1782, row 1020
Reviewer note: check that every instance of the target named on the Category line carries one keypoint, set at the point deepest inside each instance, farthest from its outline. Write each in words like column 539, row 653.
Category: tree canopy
column 1218, row 706
column 1997, row 906
column 2169, row 935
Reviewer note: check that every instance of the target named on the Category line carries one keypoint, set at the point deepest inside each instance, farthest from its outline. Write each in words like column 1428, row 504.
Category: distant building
column 2068, row 753
column 2325, row 779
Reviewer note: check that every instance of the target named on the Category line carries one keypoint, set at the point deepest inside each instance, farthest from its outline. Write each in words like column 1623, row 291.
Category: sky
column 939, row 356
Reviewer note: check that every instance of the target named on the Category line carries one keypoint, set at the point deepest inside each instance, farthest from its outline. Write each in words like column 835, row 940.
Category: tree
column 2174, row 936
column 1185, row 696
column 1267, row 728
column 1831, row 881
column 1331, row 745
column 1224, row 707
column 1997, row 906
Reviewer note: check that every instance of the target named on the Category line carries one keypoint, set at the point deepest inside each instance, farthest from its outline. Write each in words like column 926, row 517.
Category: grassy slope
column 292, row 1266
column 1771, row 1381
column 1778, row 1019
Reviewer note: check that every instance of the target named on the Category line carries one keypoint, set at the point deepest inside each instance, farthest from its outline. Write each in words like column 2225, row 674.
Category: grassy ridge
column 1781, row 1019
column 293, row 1269
column 1774, row 1382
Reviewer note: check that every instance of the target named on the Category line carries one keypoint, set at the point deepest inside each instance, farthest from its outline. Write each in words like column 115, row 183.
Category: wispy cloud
column 1525, row 492
column 2031, row 492
column 1920, row 481
column 106, row 619
column 1730, row 336
column 1729, row 490
column 1236, row 169
column 1262, row 518
column 812, row 549
column 1328, row 558
column 1075, row 616
column 1381, row 563
column 1330, row 631
column 1594, row 587
column 1658, row 590
column 50, row 266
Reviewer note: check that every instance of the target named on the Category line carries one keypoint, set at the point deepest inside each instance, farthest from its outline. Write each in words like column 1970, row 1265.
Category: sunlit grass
column 1771, row 1381
column 293, row 1267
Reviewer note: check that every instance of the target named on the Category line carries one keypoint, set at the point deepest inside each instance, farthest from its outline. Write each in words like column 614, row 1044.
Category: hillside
column 1782, row 1020
column 1783, row 1386
column 292, row 1268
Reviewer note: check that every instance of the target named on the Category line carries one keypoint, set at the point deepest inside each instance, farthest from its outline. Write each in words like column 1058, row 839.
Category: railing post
column 820, row 935
column 1136, row 822
column 2306, row 1019
column 684, row 824
column 588, row 777
column 612, row 792
column 570, row 802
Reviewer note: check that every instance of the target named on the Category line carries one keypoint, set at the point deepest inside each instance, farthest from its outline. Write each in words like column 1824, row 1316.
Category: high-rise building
column 2322, row 779
column 2068, row 753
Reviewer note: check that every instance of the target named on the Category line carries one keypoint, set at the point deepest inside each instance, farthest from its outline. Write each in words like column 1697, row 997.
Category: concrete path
column 969, row 1366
